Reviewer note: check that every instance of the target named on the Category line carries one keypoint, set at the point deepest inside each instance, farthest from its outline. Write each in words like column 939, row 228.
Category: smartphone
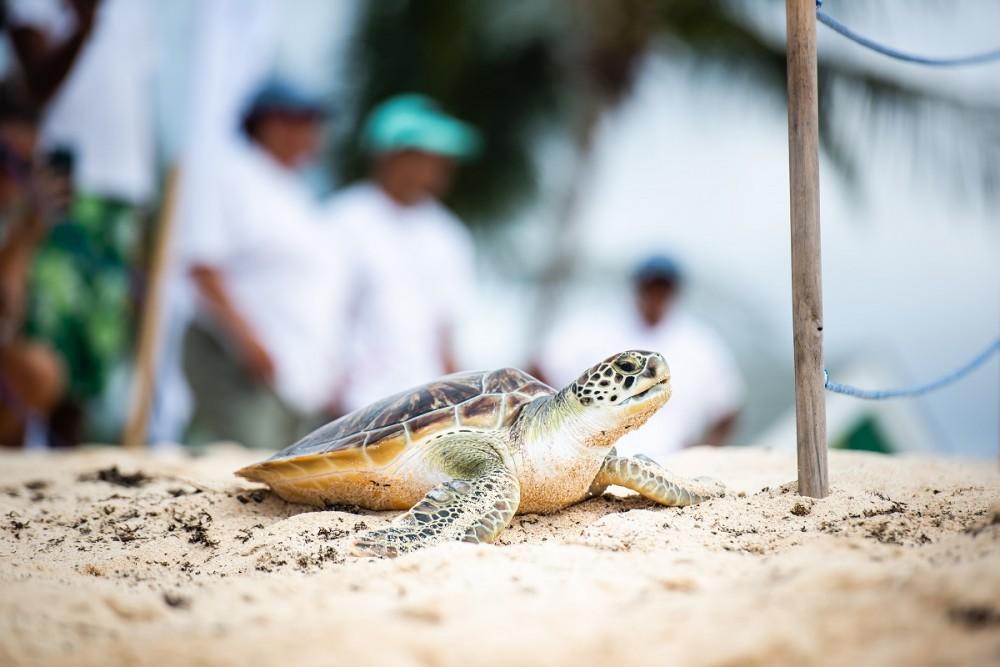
column 61, row 160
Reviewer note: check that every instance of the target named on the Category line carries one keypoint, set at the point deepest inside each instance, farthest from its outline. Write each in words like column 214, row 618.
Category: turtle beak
column 652, row 385
column 660, row 390
column 652, row 382
column 657, row 368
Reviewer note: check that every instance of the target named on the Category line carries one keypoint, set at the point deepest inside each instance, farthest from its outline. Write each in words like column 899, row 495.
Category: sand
column 112, row 559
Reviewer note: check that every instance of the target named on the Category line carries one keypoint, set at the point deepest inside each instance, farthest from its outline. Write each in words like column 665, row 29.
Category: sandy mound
column 110, row 559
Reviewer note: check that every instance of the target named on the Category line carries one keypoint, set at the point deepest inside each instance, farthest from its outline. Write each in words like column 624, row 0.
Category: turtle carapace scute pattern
column 465, row 453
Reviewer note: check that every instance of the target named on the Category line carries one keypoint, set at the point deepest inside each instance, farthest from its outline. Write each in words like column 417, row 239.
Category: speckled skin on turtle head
column 465, row 453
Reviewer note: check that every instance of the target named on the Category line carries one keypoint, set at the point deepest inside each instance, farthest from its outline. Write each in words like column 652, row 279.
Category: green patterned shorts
column 80, row 291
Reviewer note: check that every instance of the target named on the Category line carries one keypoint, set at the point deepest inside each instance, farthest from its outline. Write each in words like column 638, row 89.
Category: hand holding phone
column 51, row 187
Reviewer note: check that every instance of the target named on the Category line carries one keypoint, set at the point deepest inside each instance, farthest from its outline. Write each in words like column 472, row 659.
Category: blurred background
column 594, row 162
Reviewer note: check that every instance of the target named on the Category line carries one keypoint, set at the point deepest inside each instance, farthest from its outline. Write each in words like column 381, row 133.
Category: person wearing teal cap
column 416, row 122
column 412, row 259
column 414, row 147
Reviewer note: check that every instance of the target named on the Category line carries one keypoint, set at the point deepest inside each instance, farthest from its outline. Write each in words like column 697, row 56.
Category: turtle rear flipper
column 644, row 475
column 474, row 506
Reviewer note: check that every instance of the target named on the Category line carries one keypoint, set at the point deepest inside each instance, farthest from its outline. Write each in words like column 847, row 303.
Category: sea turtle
column 465, row 453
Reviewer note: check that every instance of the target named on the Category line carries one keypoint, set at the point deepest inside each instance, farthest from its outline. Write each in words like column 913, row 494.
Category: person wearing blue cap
column 412, row 258
column 708, row 389
column 262, row 353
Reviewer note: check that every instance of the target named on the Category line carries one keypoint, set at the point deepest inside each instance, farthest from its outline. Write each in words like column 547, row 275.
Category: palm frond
column 514, row 67
column 507, row 87
column 715, row 36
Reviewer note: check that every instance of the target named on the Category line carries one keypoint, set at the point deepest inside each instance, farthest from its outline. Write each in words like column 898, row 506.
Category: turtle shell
column 375, row 435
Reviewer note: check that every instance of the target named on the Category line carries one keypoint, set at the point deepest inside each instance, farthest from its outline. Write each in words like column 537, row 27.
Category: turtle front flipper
column 474, row 506
column 644, row 475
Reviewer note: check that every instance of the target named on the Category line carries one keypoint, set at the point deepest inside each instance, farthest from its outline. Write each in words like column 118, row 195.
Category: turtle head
column 620, row 393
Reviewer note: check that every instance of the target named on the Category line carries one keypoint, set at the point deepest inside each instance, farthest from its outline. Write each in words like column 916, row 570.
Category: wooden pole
column 807, row 293
column 144, row 382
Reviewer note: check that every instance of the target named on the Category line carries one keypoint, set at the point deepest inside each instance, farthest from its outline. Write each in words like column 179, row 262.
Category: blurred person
column 47, row 38
column 707, row 388
column 91, row 63
column 33, row 197
column 231, row 46
column 412, row 259
column 263, row 352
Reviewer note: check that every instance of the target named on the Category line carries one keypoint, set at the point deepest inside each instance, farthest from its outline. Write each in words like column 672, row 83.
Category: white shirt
column 705, row 381
column 413, row 269
column 103, row 111
column 282, row 269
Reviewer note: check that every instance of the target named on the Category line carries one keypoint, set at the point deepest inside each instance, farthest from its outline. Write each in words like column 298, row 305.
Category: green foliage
column 718, row 36
column 513, row 67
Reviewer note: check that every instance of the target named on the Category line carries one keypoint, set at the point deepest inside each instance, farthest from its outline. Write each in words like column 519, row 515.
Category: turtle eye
column 627, row 365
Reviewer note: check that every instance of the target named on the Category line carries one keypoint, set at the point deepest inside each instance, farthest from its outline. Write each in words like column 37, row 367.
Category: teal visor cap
column 415, row 122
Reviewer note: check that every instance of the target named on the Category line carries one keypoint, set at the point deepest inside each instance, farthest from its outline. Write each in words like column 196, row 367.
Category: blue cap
column 416, row 122
column 283, row 95
column 658, row 267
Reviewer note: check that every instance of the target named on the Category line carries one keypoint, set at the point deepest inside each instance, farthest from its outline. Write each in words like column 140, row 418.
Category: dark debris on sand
column 257, row 495
column 195, row 525
column 114, row 476
column 176, row 600
column 975, row 617
column 15, row 524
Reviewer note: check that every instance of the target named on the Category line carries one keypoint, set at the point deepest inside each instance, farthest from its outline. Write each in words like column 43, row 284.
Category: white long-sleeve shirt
column 412, row 271
column 283, row 268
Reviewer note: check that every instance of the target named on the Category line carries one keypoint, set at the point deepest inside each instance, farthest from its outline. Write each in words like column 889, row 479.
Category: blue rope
column 919, row 389
column 976, row 59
